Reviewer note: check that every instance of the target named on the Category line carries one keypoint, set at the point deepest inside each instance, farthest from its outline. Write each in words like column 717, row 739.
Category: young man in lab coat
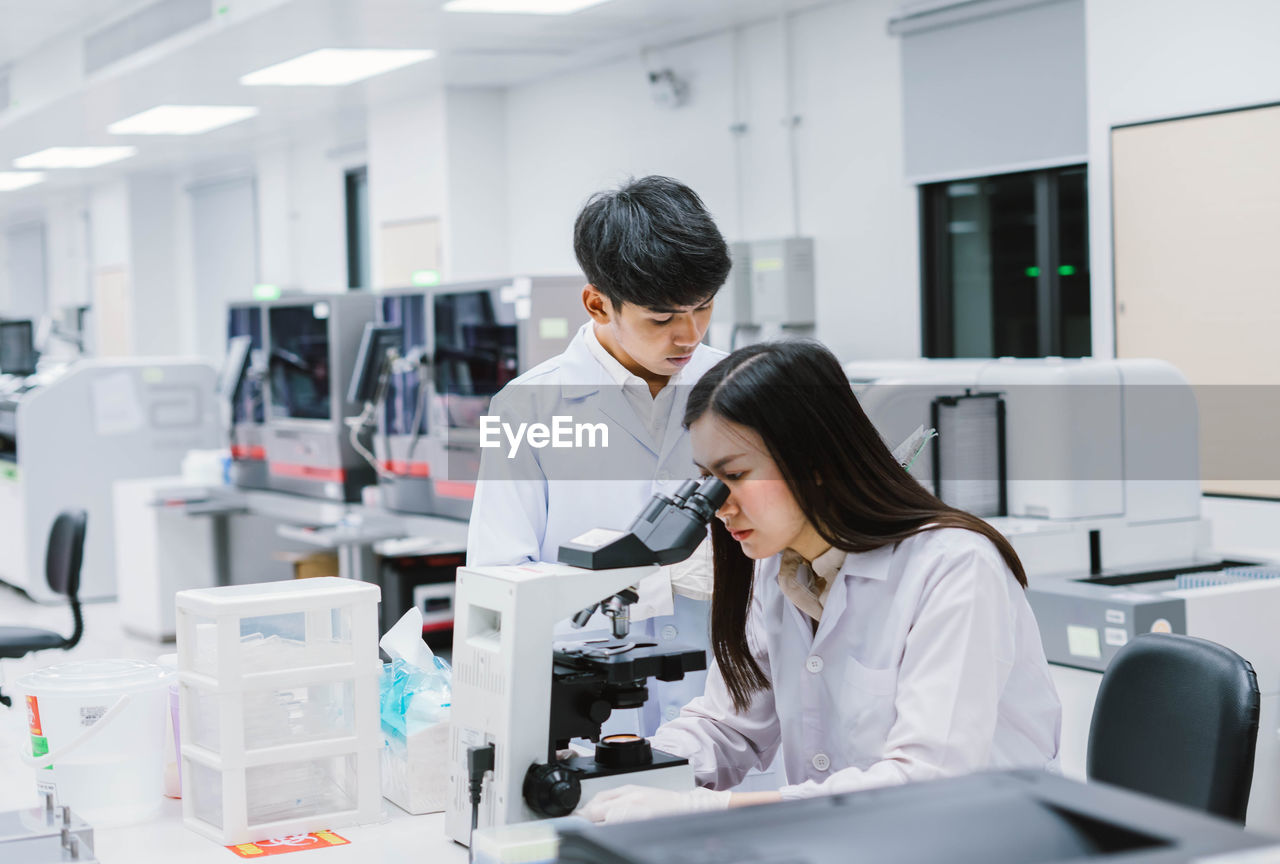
column 654, row 260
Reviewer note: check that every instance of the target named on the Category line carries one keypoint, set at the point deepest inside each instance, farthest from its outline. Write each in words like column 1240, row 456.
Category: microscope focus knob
column 598, row 711
column 552, row 789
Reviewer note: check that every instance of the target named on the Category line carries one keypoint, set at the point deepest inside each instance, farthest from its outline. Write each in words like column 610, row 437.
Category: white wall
column 67, row 223
column 407, row 164
column 599, row 126
column 109, row 224
column 477, row 232
column 1152, row 59
column 301, row 205
column 573, row 135
column 26, row 256
column 153, row 211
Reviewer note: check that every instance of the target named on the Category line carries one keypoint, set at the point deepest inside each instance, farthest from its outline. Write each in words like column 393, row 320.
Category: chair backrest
column 66, row 553
column 1177, row 718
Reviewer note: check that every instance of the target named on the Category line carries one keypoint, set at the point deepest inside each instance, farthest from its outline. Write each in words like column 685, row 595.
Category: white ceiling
column 25, row 25
column 202, row 66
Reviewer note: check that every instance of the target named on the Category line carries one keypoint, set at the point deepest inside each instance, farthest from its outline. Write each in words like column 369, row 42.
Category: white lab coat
column 927, row 663
column 527, row 506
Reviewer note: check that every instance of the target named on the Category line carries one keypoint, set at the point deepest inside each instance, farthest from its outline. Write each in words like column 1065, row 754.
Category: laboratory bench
column 174, row 535
column 400, row 838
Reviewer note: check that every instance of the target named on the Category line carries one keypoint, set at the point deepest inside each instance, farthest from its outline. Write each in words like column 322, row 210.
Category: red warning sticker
column 33, row 716
column 289, row 843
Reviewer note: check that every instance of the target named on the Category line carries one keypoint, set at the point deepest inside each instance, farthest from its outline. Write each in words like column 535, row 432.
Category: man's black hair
column 651, row 243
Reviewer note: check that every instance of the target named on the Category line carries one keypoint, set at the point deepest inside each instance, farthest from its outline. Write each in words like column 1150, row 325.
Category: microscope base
column 666, row 772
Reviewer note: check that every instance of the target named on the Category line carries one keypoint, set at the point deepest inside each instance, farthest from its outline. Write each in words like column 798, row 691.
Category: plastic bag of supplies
column 414, row 696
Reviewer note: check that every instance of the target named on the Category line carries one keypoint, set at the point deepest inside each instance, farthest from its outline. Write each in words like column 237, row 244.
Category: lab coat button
column 821, row 762
column 671, row 713
column 669, row 632
column 814, row 665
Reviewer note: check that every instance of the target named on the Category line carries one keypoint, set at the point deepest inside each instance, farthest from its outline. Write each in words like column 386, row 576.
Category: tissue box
column 416, row 777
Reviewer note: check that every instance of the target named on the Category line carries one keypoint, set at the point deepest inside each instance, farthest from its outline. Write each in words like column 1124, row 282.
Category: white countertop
column 400, row 839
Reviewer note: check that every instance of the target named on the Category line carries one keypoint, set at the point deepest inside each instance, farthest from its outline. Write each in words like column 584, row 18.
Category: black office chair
column 1177, row 718
column 62, row 571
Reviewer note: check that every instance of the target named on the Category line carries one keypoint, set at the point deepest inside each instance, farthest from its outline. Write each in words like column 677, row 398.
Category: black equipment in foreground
column 1013, row 817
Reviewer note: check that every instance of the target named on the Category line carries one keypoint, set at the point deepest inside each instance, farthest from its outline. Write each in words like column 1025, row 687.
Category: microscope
column 519, row 696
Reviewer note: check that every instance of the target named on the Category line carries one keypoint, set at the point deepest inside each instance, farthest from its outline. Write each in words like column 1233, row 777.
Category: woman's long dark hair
column 844, row 479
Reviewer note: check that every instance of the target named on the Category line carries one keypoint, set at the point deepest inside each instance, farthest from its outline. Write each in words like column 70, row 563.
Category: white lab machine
column 1091, row 469
column 459, row 344
column 311, row 345
column 242, row 384
column 1091, row 465
column 769, row 293
column 70, row 433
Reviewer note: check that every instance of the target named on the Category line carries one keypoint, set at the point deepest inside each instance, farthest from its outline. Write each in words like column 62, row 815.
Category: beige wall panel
column 112, row 313
column 1197, row 278
column 407, row 247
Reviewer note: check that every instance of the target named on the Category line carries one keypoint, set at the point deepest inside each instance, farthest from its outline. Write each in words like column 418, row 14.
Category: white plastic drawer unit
column 279, row 707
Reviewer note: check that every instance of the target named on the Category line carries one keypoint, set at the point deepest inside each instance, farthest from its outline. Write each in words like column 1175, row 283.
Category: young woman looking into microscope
column 876, row 634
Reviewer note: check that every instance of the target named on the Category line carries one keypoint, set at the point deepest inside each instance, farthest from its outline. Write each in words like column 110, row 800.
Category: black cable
column 479, row 762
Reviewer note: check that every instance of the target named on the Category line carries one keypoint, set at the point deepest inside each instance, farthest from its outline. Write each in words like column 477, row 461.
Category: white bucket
column 100, row 723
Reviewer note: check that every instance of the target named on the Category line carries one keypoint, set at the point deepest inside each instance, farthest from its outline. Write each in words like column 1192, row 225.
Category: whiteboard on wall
column 406, row 248
column 1196, row 205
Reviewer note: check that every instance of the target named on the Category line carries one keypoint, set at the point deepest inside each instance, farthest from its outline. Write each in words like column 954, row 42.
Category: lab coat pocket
column 868, row 709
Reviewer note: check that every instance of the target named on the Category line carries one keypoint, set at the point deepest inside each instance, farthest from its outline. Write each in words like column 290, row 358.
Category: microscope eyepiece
column 707, row 499
column 686, row 489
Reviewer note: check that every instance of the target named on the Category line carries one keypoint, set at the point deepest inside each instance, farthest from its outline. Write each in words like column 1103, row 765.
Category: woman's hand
column 630, row 803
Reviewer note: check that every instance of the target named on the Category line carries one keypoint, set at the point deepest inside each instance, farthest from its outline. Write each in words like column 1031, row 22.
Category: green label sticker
column 40, row 747
column 553, row 328
column 9, row 472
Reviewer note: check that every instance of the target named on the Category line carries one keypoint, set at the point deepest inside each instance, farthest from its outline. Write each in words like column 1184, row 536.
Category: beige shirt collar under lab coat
column 808, row 584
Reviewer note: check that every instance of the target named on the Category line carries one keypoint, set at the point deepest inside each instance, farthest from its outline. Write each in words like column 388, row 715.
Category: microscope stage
column 621, row 661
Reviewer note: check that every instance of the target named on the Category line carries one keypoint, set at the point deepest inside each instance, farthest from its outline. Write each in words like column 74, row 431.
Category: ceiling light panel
column 74, row 157
column 11, row 180
column 521, row 7
column 334, row 67
column 181, row 119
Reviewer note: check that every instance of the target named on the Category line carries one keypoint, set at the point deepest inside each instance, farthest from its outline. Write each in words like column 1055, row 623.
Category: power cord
column 368, row 417
column 479, row 763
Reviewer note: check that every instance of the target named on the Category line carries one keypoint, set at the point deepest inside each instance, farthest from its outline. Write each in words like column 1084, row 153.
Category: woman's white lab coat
column 927, row 663
column 528, row 504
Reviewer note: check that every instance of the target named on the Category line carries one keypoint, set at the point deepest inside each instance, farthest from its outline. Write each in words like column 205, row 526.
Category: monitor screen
column 475, row 354
column 17, row 348
column 299, row 363
column 376, row 347
column 246, row 320
column 405, row 408
column 235, row 367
